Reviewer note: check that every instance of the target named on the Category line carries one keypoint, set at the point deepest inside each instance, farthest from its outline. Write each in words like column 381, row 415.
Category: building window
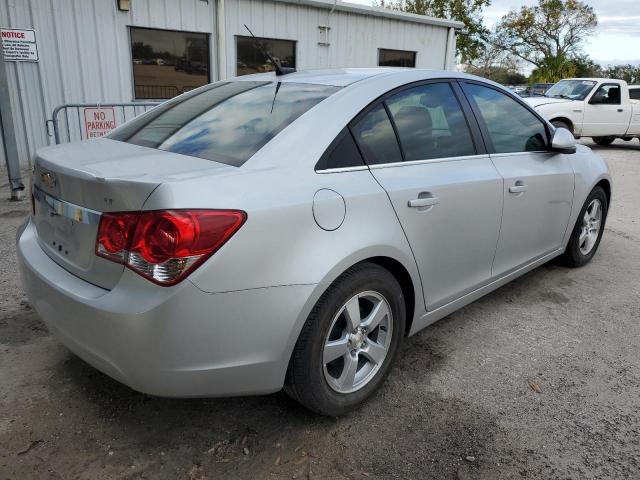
column 250, row 59
column 396, row 58
column 167, row 63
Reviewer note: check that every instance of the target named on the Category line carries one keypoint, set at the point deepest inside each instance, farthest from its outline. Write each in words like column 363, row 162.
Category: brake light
column 165, row 246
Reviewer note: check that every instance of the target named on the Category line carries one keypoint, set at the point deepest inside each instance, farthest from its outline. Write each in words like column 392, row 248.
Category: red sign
column 98, row 121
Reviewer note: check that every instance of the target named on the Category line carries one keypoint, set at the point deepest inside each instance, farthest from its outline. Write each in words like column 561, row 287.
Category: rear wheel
column 587, row 233
column 603, row 141
column 349, row 342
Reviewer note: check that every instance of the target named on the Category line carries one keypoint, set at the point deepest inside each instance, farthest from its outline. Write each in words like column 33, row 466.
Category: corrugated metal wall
column 354, row 39
column 85, row 54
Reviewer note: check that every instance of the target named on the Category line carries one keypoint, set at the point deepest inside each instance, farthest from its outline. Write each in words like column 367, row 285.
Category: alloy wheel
column 358, row 342
column 591, row 223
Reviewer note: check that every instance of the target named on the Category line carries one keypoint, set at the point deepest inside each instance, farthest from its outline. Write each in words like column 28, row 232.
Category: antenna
column 280, row 70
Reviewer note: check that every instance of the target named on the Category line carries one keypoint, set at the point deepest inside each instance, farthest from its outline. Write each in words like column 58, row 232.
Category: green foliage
column 549, row 35
column 503, row 75
column 629, row 73
column 587, row 68
column 554, row 69
column 468, row 12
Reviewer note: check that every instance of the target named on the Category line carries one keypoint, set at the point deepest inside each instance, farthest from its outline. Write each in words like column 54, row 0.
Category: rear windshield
column 226, row 122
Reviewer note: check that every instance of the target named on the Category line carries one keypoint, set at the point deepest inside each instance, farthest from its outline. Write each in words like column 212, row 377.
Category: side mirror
column 563, row 141
column 598, row 99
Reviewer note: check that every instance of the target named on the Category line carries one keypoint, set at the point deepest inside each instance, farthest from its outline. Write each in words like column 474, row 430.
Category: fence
column 80, row 121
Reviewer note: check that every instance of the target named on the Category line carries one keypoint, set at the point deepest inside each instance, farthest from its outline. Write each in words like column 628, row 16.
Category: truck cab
column 600, row 108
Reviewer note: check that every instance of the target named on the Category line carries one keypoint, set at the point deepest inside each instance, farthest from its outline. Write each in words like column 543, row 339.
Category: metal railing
column 74, row 125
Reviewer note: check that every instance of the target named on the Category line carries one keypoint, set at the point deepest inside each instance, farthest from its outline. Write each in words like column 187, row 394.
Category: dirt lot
column 541, row 379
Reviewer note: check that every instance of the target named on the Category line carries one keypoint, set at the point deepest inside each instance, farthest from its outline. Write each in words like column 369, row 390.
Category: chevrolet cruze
column 290, row 230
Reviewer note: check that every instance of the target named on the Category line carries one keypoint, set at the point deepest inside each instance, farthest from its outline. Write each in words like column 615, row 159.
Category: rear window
column 225, row 122
column 634, row 93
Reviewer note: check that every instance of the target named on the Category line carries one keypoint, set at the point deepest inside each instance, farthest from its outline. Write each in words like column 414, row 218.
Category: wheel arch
column 606, row 186
column 406, row 284
column 566, row 120
column 398, row 263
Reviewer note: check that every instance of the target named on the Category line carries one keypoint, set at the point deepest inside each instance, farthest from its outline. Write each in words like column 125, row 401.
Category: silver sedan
column 290, row 230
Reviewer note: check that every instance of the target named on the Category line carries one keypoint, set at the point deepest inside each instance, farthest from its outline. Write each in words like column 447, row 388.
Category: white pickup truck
column 599, row 108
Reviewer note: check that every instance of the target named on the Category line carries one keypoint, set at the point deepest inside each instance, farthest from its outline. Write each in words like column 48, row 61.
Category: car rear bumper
column 177, row 341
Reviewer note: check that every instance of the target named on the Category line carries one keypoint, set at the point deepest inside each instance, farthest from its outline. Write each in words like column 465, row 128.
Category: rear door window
column 430, row 123
column 224, row 122
column 376, row 137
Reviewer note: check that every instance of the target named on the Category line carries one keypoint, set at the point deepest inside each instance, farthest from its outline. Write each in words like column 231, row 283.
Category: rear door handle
column 424, row 202
column 518, row 187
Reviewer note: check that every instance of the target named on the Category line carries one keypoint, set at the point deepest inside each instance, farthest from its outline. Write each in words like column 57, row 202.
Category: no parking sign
column 98, row 121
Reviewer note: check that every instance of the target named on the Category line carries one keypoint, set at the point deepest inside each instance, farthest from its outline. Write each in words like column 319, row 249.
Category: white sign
column 98, row 121
column 19, row 45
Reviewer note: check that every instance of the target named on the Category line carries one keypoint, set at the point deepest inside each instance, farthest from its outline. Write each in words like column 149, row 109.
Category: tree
column 629, row 73
column 496, row 63
column 586, row 68
column 549, row 35
column 468, row 12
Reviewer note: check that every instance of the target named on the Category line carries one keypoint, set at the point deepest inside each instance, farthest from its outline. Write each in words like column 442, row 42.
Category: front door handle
column 518, row 187
column 621, row 110
column 424, row 202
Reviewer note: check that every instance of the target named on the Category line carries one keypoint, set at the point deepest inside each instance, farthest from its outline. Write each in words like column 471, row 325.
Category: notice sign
column 98, row 121
column 19, row 45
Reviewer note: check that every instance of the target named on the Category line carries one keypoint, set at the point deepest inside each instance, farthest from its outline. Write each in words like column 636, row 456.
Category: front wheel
column 587, row 233
column 349, row 342
column 603, row 141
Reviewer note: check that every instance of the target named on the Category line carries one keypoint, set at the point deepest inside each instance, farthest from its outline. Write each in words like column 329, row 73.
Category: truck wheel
column 562, row 124
column 603, row 141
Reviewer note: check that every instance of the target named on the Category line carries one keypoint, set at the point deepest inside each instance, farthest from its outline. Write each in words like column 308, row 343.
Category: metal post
column 9, row 134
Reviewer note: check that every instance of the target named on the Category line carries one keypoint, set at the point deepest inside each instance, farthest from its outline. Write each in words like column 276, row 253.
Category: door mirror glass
column 563, row 141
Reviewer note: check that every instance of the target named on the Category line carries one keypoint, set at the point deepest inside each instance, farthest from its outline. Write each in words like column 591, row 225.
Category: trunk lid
column 74, row 183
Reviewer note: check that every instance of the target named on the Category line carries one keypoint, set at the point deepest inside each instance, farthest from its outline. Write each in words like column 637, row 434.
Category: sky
column 617, row 39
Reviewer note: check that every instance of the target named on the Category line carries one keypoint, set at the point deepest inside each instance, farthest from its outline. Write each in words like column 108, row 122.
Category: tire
column 326, row 388
column 562, row 124
column 603, row 141
column 577, row 254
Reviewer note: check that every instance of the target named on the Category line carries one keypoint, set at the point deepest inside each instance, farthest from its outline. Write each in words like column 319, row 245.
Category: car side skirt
column 441, row 312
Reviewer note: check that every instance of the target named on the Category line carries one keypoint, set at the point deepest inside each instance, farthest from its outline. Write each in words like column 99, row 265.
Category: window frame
column 596, row 90
column 483, row 126
column 133, row 74
column 249, row 37
column 414, row 53
column 474, row 128
column 479, row 133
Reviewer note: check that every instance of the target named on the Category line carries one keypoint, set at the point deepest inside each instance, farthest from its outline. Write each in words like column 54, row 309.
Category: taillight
column 165, row 246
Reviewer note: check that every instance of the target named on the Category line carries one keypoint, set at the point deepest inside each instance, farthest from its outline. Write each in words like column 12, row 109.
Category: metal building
column 111, row 51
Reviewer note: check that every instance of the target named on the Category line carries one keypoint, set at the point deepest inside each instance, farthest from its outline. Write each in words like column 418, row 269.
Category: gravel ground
column 540, row 379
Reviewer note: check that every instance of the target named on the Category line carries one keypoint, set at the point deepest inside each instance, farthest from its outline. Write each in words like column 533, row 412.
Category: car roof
column 342, row 77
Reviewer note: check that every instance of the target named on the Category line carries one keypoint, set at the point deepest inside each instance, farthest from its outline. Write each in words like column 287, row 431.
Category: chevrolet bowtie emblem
column 48, row 179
